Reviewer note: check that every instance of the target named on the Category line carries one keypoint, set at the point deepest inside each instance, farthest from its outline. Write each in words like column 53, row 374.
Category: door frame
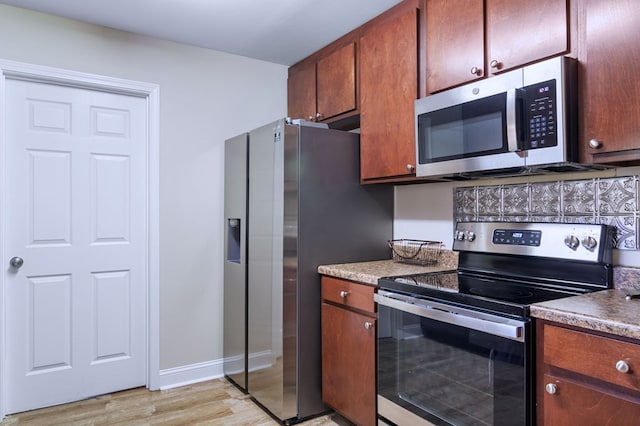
column 148, row 91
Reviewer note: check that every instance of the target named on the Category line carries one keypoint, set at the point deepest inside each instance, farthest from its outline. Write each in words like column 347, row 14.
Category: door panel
column 76, row 173
column 49, row 341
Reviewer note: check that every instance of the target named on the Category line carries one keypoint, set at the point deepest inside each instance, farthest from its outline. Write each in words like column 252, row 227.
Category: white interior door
column 76, row 220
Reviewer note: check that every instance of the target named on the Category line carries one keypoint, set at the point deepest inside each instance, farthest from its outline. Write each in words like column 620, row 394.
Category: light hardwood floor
column 215, row 402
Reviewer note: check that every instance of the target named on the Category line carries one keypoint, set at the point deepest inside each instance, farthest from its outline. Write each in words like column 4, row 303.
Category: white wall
column 205, row 98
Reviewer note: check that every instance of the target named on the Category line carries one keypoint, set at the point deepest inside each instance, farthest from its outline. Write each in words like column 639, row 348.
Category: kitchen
column 191, row 260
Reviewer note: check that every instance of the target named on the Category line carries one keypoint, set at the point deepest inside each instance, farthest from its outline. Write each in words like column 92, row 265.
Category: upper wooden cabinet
column 609, row 55
column 388, row 89
column 516, row 33
column 301, row 92
column 336, row 82
column 324, row 88
column 455, row 42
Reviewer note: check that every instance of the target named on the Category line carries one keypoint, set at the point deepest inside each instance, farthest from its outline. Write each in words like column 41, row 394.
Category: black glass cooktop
column 489, row 293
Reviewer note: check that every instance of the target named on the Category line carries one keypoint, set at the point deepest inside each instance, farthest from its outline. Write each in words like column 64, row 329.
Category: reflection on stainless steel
column 305, row 208
column 473, row 320
column 235, row 291
column 558, row 242
column 443, row 281
column 456, row 347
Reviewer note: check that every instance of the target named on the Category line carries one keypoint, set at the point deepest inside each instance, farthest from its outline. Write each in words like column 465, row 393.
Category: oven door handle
column 475, row 320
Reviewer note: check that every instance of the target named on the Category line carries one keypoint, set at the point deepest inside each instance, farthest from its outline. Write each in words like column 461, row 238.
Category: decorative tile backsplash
column 612, row 201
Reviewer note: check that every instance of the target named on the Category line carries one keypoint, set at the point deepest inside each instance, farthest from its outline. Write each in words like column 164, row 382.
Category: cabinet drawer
column 572, row 403
column 594, row 356
column 359, row 296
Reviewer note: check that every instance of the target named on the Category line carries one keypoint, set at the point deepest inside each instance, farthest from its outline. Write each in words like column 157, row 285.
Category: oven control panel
column 557, row 240
column 517, row 237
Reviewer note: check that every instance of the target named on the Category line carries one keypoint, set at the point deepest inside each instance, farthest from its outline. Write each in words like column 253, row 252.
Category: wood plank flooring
column 215, row 402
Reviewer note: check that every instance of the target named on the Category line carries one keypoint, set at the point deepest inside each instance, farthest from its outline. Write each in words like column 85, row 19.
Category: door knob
column 16, row 262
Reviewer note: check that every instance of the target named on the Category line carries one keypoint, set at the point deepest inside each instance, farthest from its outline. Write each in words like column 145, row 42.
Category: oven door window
column 449, row 374
column 468, row 130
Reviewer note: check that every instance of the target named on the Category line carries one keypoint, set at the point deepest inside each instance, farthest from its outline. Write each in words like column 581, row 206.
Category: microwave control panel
column 540, row 115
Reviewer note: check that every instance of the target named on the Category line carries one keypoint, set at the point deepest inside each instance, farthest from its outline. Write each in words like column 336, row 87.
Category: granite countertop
column 370, row 272
column 607, row 311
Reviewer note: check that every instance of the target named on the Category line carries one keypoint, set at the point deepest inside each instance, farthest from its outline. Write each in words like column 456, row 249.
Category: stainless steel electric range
column 456, row 347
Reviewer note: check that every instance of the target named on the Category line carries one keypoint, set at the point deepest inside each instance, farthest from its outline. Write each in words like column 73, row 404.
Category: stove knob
column 589, row 243
column 471, row 236
column 460, row 236
column 572, row 242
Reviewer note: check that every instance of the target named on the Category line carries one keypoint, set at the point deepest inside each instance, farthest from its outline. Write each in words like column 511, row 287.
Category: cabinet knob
column 319, row 116
column 551, row 388
column 411, row 167
column 344, row 294
column 495, row 64
column 595, row 144
column 368, row 325
column 476, row 71
column 311, row 118
column 622, row 366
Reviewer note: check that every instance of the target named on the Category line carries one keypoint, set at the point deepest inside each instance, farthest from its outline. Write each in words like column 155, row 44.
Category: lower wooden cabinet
column 584, row 378
column 571, row 403
column 349, row 350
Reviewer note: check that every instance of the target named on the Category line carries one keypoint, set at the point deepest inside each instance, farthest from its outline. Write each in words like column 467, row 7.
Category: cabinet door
column 523, row 31
column 348, row 364
column 574, row 404
column 336, row 82
column 388, row 89
column 610, row 89
column 594, row 356
column 301, row 92
column 455, row 42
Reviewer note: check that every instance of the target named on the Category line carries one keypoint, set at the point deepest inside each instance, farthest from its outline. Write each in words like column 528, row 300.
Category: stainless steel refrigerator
column 293, row 201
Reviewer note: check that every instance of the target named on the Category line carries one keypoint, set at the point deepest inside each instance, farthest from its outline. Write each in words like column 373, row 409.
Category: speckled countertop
column 370, row 272
column 605, row 311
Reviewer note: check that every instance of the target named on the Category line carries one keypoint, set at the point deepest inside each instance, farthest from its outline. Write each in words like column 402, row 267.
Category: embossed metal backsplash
column 611, row 201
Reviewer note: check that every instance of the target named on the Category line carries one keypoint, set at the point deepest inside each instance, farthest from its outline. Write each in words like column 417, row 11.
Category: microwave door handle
column 512, row 128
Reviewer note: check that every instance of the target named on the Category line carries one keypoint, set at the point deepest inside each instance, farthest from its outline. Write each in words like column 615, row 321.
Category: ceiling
column 278, row 31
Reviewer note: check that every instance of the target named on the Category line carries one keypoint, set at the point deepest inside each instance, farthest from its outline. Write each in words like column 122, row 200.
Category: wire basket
column 418, row 252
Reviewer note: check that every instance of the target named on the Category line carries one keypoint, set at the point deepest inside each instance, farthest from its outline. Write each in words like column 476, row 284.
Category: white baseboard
column 189, row 374
column 209, row 370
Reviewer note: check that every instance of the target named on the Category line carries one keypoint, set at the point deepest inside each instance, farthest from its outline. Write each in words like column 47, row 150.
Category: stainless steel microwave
column 509, row 124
